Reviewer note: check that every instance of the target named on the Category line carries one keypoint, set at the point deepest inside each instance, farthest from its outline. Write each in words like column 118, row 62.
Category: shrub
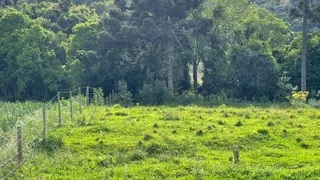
column 284, row 88
column 298, row 99
column 51, row 144
column 314, row 103
column 154, row 91
column 98, row 98
column 125, row 97
column 190, row 98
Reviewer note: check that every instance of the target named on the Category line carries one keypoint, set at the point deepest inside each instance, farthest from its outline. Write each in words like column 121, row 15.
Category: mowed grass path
column 181, row 142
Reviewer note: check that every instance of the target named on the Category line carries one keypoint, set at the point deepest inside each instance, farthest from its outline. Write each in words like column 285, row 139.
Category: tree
column 303, row 10
column 29, row 57
column 163, row 18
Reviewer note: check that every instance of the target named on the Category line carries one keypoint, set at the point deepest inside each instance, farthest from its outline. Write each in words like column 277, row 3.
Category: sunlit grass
column 182, row 142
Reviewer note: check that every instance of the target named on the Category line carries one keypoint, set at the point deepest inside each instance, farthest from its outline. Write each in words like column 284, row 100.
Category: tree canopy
column 240, row 48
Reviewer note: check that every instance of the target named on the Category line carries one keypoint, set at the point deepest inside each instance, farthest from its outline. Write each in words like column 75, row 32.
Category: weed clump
column 220, row 122
column 270, row 124
column 192, row 129
column 299, row 140
column 169, row 116
column 300, row 126
column 138, row 155
column 155, row 125
column 200, row 132
column 108, row 114
column 284, row 131
column 174, row 132
column 247, row 116
column 147, row 137
column 83, row 123
column 154, row 149
column 139, row 144
column 50, row 145
column 264, row 132
column 305, row 146
column 121, row 114
column 238, row 124
column 98, row 130
column 209, row 127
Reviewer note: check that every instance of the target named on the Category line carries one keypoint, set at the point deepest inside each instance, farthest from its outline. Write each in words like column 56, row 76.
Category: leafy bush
column 51, row 144
column 154, row 91
column 98, row 96
column 314, row 102
column 125, row 97
column 189, row 98
column 284, row 88
column 298, row 99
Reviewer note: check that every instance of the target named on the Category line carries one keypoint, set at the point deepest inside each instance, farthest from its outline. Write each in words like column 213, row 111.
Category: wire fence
column 20, row 142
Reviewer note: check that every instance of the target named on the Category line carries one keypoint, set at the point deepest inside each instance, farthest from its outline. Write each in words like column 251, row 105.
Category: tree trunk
column 195, row 73
column 170, row 73
column 304, row 49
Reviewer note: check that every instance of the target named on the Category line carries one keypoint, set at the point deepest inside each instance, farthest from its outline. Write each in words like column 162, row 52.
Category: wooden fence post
column 44, row 124
column 87, row 95
column 71, row 105
column 80, row 100
column 236, row 155
column 19, row 144
column 59, row 109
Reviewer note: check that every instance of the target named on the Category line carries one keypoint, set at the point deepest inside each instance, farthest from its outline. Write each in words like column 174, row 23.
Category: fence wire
column 33, row 127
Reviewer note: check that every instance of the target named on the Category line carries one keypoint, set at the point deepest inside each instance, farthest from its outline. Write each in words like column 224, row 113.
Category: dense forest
column 155, row 49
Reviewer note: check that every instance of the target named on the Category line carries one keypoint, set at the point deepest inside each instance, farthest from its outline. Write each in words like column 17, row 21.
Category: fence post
column 87, row 95
column 44, row 124
column 19, row 144
column 59, row 109
column 236, row 155
column 71, row 105
column 80, row 100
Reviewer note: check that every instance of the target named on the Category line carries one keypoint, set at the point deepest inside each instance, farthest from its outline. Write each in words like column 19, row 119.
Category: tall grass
column 29, row 115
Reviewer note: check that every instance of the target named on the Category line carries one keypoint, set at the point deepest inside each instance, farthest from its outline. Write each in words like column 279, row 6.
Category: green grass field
column 181, row 143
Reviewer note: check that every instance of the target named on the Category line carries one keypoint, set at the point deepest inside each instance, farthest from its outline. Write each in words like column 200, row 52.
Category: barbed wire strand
column 26, row 157
column 25, row 146
column 14, row 143
column 37, row 135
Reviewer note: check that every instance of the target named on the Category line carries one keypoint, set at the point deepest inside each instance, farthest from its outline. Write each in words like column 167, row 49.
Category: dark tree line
column 231, row 47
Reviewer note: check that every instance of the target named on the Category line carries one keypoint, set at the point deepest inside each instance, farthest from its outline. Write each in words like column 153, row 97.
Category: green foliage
column 315, row 100
column 125, row 97
column 98, row 98
column 154, row 91
column 50, row 145
column 258, row 81
column 189, row 98
column 284, row 88
column 12, row 112
column 56, row 45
